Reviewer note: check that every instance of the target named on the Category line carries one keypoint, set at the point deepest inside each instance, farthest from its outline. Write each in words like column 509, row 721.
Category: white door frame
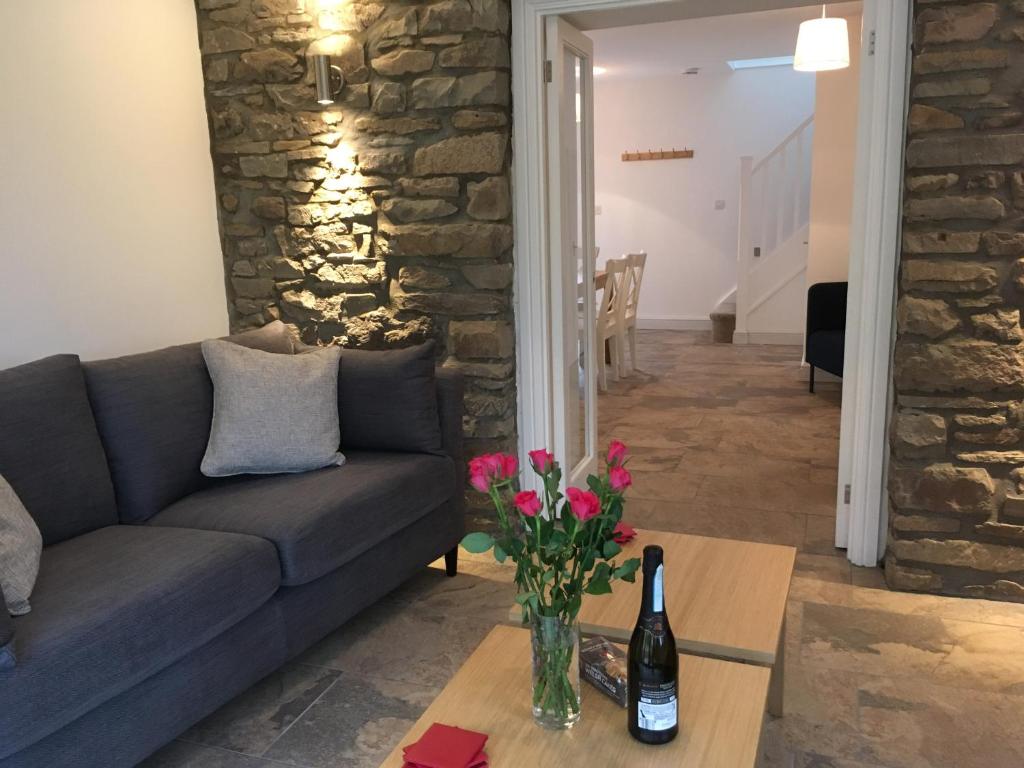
column 874, row 247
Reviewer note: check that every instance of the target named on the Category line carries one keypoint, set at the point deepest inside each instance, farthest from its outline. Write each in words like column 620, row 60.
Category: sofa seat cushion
column 115, row 606
column 825, row 350
column 322, row 519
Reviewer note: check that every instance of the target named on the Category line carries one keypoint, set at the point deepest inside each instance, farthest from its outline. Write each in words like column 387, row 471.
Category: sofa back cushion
column 387, row 401
column 154, row 412
column 50, row 451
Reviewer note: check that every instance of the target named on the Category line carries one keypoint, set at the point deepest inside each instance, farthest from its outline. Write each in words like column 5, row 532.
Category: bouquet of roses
column 563, row 547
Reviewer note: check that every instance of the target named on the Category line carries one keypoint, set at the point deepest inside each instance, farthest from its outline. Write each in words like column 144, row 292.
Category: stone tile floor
column 726, row 442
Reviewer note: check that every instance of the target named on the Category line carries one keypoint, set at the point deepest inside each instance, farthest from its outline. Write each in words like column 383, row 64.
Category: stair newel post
column 745, row 245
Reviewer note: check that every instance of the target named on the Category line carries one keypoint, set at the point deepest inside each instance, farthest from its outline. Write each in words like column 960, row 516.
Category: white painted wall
column 835, row 150
column 668, row 207
column 108, row 229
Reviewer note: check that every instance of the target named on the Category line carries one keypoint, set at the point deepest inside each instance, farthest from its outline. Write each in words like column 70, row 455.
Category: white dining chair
column 636, row 263
column 610, row 315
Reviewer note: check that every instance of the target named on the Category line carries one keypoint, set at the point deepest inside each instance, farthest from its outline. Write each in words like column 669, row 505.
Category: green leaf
column 525, row 597
column 627, row 571
column 477, row 542
column 599, row 587
column 499, row 553
column 610, row 549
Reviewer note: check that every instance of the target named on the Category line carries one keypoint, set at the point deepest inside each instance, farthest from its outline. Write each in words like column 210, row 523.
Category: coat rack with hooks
column 661, row 154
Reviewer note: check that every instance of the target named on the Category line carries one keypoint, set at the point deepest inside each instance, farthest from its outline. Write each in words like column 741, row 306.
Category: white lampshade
column 822, row 44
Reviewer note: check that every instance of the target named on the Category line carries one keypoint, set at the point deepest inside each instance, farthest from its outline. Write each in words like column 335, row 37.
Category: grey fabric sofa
column 162, row 593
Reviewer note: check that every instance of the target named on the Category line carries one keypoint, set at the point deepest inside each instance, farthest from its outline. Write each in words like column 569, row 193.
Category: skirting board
column 673, row 323
column 768, row 337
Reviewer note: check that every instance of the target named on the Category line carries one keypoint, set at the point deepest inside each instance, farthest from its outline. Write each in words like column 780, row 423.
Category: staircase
column 771, row 254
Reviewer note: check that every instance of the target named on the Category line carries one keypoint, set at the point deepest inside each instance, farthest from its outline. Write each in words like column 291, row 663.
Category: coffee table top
column 725, row 598
column 721, row 707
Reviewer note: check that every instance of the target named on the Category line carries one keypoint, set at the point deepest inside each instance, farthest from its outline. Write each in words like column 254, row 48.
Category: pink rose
column 486, row 470
column 616, row 452
column 584, row 504
column 619, row 479
column 527, row 502
column 542, row 460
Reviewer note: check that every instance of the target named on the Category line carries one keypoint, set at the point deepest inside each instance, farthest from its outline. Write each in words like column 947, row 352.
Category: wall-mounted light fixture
column 329, row 79
column 822, row 44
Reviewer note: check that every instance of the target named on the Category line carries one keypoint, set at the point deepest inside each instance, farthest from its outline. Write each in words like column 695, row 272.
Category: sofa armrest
column 450, row 391
column 7, row 658
column 826, row 307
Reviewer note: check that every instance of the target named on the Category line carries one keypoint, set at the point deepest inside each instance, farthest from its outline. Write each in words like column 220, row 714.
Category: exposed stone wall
column 384, row 219
column 957, row 473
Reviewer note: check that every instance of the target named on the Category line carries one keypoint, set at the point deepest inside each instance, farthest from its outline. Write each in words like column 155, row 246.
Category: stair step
column 723, row 322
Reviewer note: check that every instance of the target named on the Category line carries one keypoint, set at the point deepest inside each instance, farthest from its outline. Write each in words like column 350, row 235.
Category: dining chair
column 609, row 321
column 635, row 266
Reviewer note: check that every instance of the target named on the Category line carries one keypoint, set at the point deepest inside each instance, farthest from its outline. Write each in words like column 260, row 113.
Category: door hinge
column 871, row 43
column 547, row 71
column 846, row 494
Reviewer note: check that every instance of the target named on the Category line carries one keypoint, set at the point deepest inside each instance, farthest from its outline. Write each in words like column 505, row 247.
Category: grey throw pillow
column 21, row 545
column 271, row 413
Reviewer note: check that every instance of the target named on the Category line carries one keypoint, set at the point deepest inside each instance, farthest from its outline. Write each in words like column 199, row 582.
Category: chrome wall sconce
column 329, row 79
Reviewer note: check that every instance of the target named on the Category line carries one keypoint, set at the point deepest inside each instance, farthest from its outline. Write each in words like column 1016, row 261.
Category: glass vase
column 556, row 672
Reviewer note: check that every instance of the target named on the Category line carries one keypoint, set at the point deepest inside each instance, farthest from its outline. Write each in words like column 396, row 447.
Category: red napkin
column 623, row 533
column 444, row 746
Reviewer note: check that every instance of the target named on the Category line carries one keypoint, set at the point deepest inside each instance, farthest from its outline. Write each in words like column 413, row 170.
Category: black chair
column 826, row 327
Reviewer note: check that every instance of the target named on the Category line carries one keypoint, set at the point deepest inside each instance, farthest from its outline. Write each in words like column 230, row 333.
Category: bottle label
column 657, row 709
column 659, row 589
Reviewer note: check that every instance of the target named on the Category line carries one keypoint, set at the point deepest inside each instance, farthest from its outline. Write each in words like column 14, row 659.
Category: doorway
column 543, row 327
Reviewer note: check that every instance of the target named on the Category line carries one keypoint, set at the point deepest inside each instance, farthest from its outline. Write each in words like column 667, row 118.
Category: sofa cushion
column 387, row 400
column 50, row 451
column 154, row 412
column 321, row 520
column 20, row 548
column 117, row 605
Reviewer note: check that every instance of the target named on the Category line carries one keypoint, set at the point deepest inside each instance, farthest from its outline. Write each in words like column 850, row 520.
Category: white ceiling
column 709, row 42
column 677, row 10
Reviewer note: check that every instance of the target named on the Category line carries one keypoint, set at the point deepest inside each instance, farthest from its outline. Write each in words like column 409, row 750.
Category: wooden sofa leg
column 451, row 561
column 812, row 379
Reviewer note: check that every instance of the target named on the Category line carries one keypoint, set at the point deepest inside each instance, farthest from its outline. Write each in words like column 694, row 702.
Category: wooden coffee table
column 726, row 599
column 721, row 708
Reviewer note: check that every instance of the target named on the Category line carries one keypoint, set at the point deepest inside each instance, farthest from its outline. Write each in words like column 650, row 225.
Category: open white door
column 570, row 144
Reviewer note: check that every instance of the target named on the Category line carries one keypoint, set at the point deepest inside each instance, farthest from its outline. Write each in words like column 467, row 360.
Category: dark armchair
column 826, row 328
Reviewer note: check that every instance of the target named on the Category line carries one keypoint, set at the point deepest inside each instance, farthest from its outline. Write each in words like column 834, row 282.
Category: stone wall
column 384, row 219
column 957, row 472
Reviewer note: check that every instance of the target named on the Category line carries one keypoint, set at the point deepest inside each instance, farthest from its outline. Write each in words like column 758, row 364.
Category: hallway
column 726, row 441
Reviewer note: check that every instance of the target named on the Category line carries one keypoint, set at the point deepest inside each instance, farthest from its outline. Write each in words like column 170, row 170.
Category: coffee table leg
column 776, row 685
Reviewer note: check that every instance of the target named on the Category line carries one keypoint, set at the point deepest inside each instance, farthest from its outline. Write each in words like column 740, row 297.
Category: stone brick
column 947, row 489
column 948, row 276
column 1004, row 243
column 382, row 161
column 971, row 420
column 993, row 558
column 492, row 277
column 440, row 186
column 403, row 61
column 481, row 153
column 498, row 372
column 474, row 120
column 398, row 126
column 293, row 96
column 923, row 118
column 482, row 88
column 454, row 304
column 931, row 183
column 489, row 200
column 1007, row 119
column 252, row 288
column 957, row 24
column 226, row 40
column 991, row 149
column 941, row 242
column 420, row 278
column 925, row 524
column 481, row 339
column 388, row 98
column 432, row 92
column 911, row 579
column 404, row 210
column 1000, row 589
column 271, row 166
column 932, row 318
column 272, row 208
column 1001, row 325
column 991, row 457
column 974, row 366
column 268, row 65
column 942, row 208
column 1000, row 437
column 917, row 433
column 466, row 240
column 955, row 61
column 449, row 16
column 964, row 86
column 985, row 180
column 486, row 52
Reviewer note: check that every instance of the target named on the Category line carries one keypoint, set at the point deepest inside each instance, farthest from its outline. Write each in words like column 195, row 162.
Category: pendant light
column 822, row 44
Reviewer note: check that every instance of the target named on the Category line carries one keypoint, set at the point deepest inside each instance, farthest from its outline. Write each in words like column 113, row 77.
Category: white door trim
column 873, row 254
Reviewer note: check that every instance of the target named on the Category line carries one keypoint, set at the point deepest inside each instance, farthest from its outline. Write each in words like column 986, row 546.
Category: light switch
column 719, row 205
column 597, row 210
